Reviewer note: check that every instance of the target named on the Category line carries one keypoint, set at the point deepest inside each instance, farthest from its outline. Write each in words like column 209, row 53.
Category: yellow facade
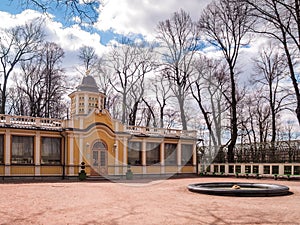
column 40, row 147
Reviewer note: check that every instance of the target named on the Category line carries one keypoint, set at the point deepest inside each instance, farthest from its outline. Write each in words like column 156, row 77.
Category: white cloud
column 142, row 16
column 69, row 38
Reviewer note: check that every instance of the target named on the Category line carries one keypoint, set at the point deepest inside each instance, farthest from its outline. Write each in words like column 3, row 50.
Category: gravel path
column 142, row 202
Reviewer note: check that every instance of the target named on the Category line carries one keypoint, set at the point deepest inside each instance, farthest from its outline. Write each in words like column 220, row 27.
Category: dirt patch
column 142, row 202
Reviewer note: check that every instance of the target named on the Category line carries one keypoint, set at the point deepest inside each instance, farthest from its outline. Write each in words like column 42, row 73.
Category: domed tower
column 86, row 97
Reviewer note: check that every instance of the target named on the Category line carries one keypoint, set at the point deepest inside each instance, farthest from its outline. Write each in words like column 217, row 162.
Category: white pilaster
column 116, row 150
column 81, row 149
column 80, row 123
column 76, row 104
column 194, row 154
column 162, row 157
column 144, row 152
column 37, row 153
column 37, row 148
column 7, row 152
column 71, row 154
column 124, row 154
column 86, row 103
column 179, row 153
column 144, row 162
column 99, row 103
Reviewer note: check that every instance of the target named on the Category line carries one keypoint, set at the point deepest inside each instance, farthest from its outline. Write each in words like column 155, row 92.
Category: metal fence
column 278, row 152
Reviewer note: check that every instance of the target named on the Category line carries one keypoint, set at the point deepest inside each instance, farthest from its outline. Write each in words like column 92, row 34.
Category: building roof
column 88, row 84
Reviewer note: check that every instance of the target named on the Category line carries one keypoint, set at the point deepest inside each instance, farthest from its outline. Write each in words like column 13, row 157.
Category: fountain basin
column 245, row 189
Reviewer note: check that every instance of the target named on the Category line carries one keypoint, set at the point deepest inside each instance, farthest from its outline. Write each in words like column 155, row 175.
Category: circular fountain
column 239, row 189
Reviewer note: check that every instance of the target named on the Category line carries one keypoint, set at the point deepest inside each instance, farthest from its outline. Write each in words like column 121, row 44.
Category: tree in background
column 208, row 84
column 18, row 44
column 130, row 62
column 178, row 38
column 225, row 25
column 271, row 69
column 162, row 91
column 41, row 84
column 280, row 20
column 88, row 57
column 85, row 11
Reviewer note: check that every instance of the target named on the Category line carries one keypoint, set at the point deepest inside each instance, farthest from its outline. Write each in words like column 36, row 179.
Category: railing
column 57, row 124
column 278, row 152
column 27, row 121
column 160, row 131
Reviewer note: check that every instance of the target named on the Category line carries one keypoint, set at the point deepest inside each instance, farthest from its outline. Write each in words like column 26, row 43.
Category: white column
column 116, row 150
column 76, row 104
column 81, row 149
column 195, row 163
column 162, row 157
column 281, row 169
column 124, row 155
column 261, row 169
column 81, row 123
column 194, row 154
column 179, row 153
column 71, row 154
column 37, row 153
column 144, row 156
column 86, row 104
column 7, row 152
column 99, row 103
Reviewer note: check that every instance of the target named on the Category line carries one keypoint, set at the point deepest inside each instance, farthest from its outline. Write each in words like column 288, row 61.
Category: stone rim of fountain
column 245, row 189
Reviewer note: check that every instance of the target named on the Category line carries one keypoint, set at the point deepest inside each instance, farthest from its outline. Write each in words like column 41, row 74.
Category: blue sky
column 120, row 17
column 117, row 18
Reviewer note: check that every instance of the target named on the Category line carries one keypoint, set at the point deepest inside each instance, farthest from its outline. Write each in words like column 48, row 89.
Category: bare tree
column 88, row 57
column 162, row 91
column 178, row 36
column 256, row 121
column 17, row 45
column 271, row 68
column 149, row 111
column 54, row 80
column 208, row 85
column 225, row 24
column 42, row 83
column 86, row 11
column 130, row 62
column 280, row 20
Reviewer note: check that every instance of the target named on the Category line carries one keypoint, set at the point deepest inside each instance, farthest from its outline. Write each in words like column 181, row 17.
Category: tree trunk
column 233, row 121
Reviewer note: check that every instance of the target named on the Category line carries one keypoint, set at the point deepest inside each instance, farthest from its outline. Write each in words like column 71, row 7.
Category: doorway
column 99, row 160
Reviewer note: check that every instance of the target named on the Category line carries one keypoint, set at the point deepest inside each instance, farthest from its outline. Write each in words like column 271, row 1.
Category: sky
column 117, row 18
column 134, row 18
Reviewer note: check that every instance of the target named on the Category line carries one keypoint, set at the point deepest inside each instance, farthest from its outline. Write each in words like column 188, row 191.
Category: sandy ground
column 142, row 202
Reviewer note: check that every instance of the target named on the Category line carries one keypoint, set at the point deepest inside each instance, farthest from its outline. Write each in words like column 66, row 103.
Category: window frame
column 149, row 148
column 138, row 162
column 190, row 161
column 60, row 151
column 32, row 159
column 172, row 162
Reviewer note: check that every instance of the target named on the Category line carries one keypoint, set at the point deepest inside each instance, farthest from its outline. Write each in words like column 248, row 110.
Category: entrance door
column 99, row 165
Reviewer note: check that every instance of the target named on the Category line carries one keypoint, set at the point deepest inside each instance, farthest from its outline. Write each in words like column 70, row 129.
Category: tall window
column 22, row 150
column 170, row 154
column 1, row 148
column 51, row 151
column 153, row 153
column 135, row 153
column 186, row 154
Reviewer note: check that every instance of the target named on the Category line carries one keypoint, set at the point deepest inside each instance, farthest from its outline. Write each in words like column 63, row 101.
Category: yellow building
column 44, row 147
